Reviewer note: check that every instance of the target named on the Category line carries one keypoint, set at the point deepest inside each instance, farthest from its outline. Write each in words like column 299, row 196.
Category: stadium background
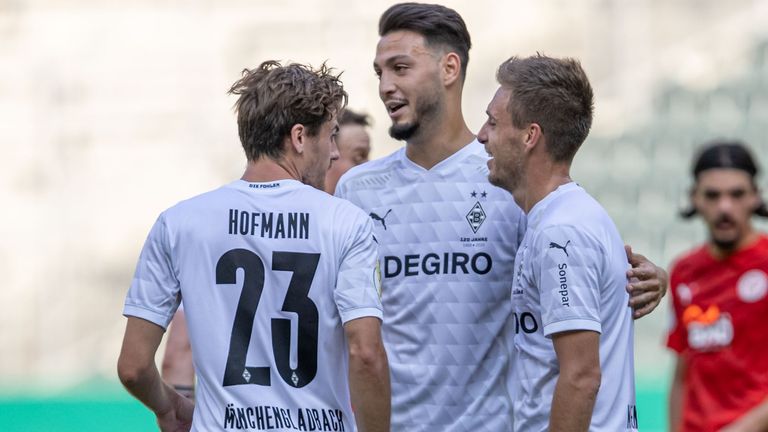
column 112, row 111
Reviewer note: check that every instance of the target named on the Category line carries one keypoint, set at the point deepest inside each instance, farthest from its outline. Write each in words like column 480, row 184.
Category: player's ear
column 298, row 137
column 533, row 136
column 451, row 68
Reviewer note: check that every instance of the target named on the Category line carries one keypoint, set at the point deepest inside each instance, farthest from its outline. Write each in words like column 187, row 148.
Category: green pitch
column 105, row 406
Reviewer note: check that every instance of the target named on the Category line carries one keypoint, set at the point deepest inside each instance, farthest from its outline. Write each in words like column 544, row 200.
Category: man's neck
column 542, row 181
column 265, row 169
column 438, row 140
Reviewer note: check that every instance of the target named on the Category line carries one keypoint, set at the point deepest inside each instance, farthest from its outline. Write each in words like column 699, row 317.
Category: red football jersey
column 720, row 309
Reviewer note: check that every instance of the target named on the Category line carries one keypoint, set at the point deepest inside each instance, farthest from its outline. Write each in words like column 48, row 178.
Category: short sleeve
column 154, row 293
column 358, row 287
column 569, row 290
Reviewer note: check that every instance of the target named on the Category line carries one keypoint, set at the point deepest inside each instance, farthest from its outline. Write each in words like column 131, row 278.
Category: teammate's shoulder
column 476, row 152
column 572, row 204
column 375, row 166
column 372, row 173
column 200, row 200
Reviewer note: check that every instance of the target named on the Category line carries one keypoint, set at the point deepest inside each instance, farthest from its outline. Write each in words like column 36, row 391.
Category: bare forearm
column 177, row 366
column 371, row 395
column 147, row 386
column 572, row 405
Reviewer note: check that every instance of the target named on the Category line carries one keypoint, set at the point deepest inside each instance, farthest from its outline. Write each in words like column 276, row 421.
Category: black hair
column 726, row 154
column 441, row 27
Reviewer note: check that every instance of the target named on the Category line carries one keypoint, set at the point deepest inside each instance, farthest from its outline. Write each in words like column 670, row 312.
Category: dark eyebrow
column 489, row 115
column 393, row 59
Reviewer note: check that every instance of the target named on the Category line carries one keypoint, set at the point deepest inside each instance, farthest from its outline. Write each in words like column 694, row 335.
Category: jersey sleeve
column 570, row 264
column 358, row 288
column 154, row 293
column 677, row 335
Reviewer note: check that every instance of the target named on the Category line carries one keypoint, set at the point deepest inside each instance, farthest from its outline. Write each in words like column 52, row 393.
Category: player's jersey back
column 447, row 241
column 571, row 276
column 268, row 273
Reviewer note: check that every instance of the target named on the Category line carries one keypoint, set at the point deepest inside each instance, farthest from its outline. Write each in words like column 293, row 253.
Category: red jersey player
column 720, row 301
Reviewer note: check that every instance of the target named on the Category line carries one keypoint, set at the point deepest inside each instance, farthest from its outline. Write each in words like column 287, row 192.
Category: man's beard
column 725, row 245
column 729, row 244
column 403, row 132
column 424, row 112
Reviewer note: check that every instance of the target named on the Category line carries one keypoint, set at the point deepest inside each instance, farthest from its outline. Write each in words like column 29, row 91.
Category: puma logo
column 383, row 221
column 555, row 245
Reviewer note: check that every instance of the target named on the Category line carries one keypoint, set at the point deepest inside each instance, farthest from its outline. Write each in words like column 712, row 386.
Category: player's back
column 447, row 240
column 267, row 278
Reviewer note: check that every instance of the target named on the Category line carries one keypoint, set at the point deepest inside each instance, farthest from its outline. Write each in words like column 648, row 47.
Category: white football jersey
column 571, row 275
column 447, row 241
column 268, row 272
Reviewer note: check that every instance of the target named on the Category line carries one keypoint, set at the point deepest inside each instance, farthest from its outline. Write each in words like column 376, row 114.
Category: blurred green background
column 102, row 405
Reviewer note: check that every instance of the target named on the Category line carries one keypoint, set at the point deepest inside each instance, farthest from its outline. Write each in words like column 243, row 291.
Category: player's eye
column 711, row 195
column 738, row 193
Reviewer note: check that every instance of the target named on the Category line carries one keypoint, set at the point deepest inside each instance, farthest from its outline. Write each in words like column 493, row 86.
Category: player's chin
column 725, row 239
column 494, row 179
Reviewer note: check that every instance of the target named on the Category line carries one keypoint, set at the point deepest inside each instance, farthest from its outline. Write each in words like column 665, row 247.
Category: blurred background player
column 354, row 144
column 278, row 280
column 447, row 237
column 572, row 367
column 720, row 302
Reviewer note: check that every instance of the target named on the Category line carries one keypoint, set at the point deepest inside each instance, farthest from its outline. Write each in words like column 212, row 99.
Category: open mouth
column 394, row 106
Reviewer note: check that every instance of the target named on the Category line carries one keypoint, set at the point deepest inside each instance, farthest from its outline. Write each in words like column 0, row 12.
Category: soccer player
column 278, row 279
column 354, row 146
column 573, row 327
column 447, row 237
column 720, row 301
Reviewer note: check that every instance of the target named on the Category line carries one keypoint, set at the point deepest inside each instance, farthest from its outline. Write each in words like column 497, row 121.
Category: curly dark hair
column 274, row 98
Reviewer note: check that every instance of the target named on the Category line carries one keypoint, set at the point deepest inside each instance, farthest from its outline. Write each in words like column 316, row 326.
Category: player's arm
column 755, row 420
column 578, row 353
column 647, row 284
column 368, row 374
column 138, row 373
column 676, row 395
column 177, row 367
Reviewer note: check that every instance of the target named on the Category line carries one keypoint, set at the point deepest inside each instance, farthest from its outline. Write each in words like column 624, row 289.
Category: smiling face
column 409, row 82
column 726, row 199
column 504, row 143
